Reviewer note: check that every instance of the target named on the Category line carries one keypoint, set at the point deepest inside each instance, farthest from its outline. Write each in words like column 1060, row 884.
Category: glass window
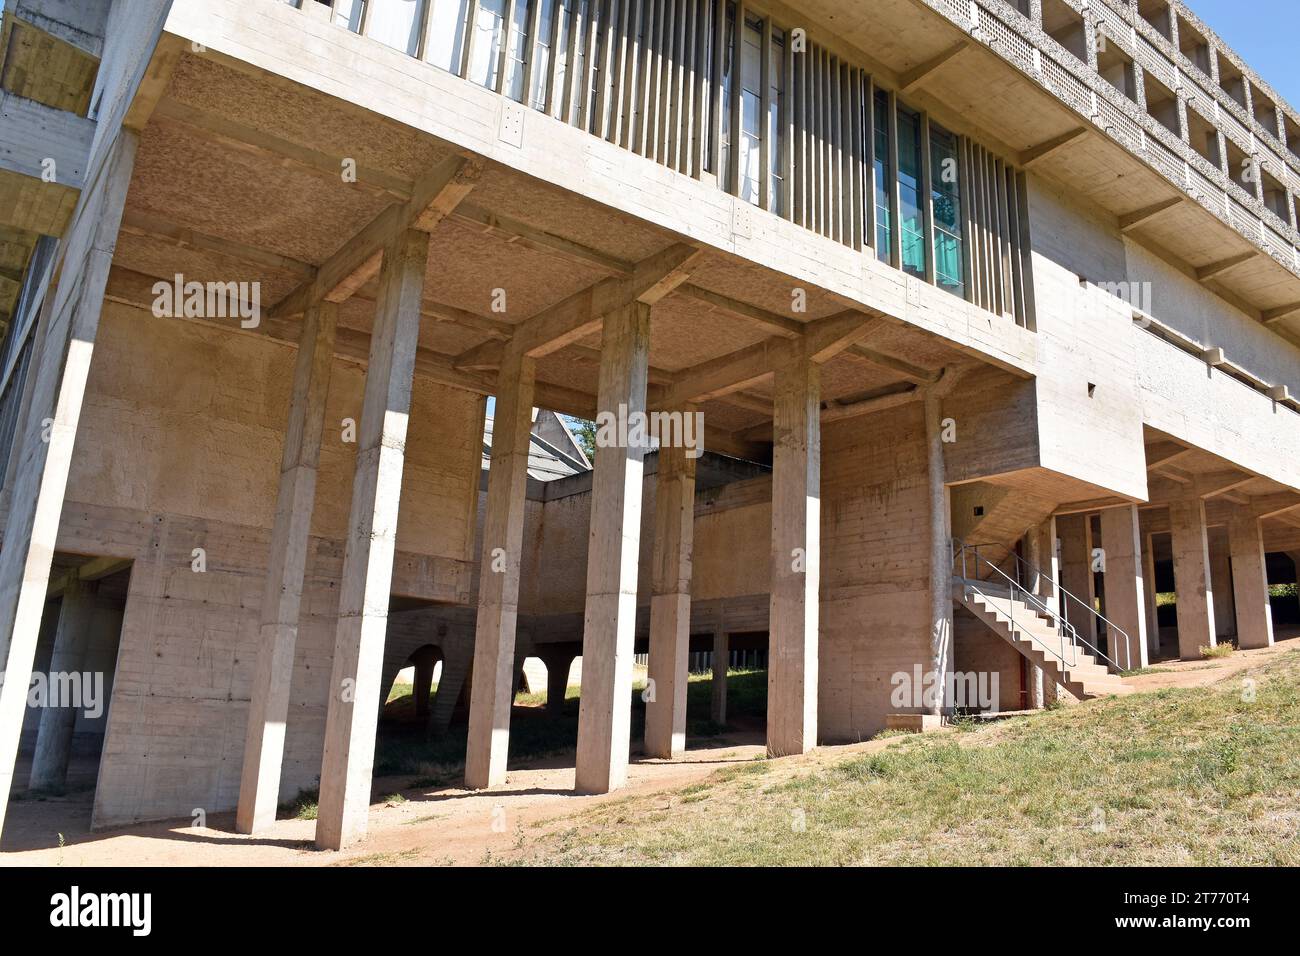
column 395, row 23
column 946, row 199
column 911, row 218
column 485, row 53
column 751, row 107
column 775, row 124
column 447, row 34
column 517, row 53
column 542, row 67
column 724, row 121
column 884, row 176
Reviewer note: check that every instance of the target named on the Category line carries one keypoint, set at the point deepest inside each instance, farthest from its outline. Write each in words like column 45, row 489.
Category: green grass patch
column 1194, row 776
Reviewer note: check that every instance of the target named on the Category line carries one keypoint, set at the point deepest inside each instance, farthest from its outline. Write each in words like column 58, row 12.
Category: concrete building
column 991, row 311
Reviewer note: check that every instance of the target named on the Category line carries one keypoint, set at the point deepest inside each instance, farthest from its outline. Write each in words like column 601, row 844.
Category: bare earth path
column 449, row 825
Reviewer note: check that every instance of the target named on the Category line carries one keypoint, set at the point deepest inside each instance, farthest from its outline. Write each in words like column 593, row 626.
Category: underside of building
column 920, row 337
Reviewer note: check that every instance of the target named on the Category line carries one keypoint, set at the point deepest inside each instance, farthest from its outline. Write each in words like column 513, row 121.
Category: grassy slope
column 1196, row 776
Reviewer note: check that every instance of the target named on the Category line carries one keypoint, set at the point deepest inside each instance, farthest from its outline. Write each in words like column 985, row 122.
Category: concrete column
column 721, row 660
column 1250, row 581
column 670, row 602
column 1075, row 534
column 1043, row 556
column 609, row 625
column 1192, row 578
column 498, row 598
column 1225, row 616
column 268, row 707
column 54, row 736
column 941, row 633
column 425, row 660
column 1125, row 592
column 354, row 687
column 58, row 375
column 1149, row 593
column 558, row 664
column 457, row 660
column 796, row 560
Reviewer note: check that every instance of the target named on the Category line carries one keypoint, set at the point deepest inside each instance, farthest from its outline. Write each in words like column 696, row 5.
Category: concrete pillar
column 558, row 664
column 424, row 660
column 268, row 707
column 1192, row 580
column 58, row 373
column 941, row 632
column 609, row 625
column 1075, row 535
column 1250, row 581
column 1043, row 557
column 1149, row 593
column 796, row 560
column 670, row 602
column 498, row 598
column 350, row 722
column 457, row 660
column 718, row 689
column 1126, row 605
column 1225, row 616
column 54, row 736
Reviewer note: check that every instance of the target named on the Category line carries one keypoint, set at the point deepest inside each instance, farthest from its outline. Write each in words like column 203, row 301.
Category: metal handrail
column 1054, row 615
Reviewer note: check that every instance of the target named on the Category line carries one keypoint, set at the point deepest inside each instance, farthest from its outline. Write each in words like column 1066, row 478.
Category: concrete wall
column 1084, row 340
column 179, row 448
column 875, row 567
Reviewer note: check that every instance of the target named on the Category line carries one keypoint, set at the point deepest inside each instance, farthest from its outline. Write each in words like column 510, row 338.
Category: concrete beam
column 583, row 312
column 521, row 234
column 609, row 624
column 1216, row 269
column 914, row 77
column 820, row 341
column 268, row 708
column 670, row 601
column 354, row 688
column 1270, row 316
column 796, row 559
column 358, row 259
column 759, row 318
column 146, row 225
column 1036, row 154
column 492, row 692
column 1140, row 217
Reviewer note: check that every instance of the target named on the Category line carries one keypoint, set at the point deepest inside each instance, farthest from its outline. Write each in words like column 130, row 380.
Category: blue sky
column 1263, row 32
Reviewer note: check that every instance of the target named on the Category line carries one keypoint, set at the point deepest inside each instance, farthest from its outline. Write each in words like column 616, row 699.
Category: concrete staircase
column 1037, row 638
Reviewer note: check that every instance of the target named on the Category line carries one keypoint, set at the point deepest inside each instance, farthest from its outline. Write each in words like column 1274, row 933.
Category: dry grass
column 1177, row 777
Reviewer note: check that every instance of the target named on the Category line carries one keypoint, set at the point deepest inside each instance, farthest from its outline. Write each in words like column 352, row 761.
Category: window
column 775, row 124
column 946, row 199
column 911, row 216
column 395, row 23
column 751, row 105
column 884, row 176
column 516, row 54
column 542, row 65
column 485, row 49
column 447, row 33
column 724, row 119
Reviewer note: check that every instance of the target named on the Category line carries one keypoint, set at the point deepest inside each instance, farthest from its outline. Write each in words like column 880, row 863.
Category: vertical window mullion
column 927, row 197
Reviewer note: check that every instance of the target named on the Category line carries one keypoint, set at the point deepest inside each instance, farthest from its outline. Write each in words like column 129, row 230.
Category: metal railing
column 971, row 560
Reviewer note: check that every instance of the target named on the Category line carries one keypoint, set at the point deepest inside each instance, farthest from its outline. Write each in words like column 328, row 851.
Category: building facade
column 955, row 327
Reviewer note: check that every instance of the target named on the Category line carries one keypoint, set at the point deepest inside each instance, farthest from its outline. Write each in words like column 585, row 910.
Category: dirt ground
column 438, row 826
